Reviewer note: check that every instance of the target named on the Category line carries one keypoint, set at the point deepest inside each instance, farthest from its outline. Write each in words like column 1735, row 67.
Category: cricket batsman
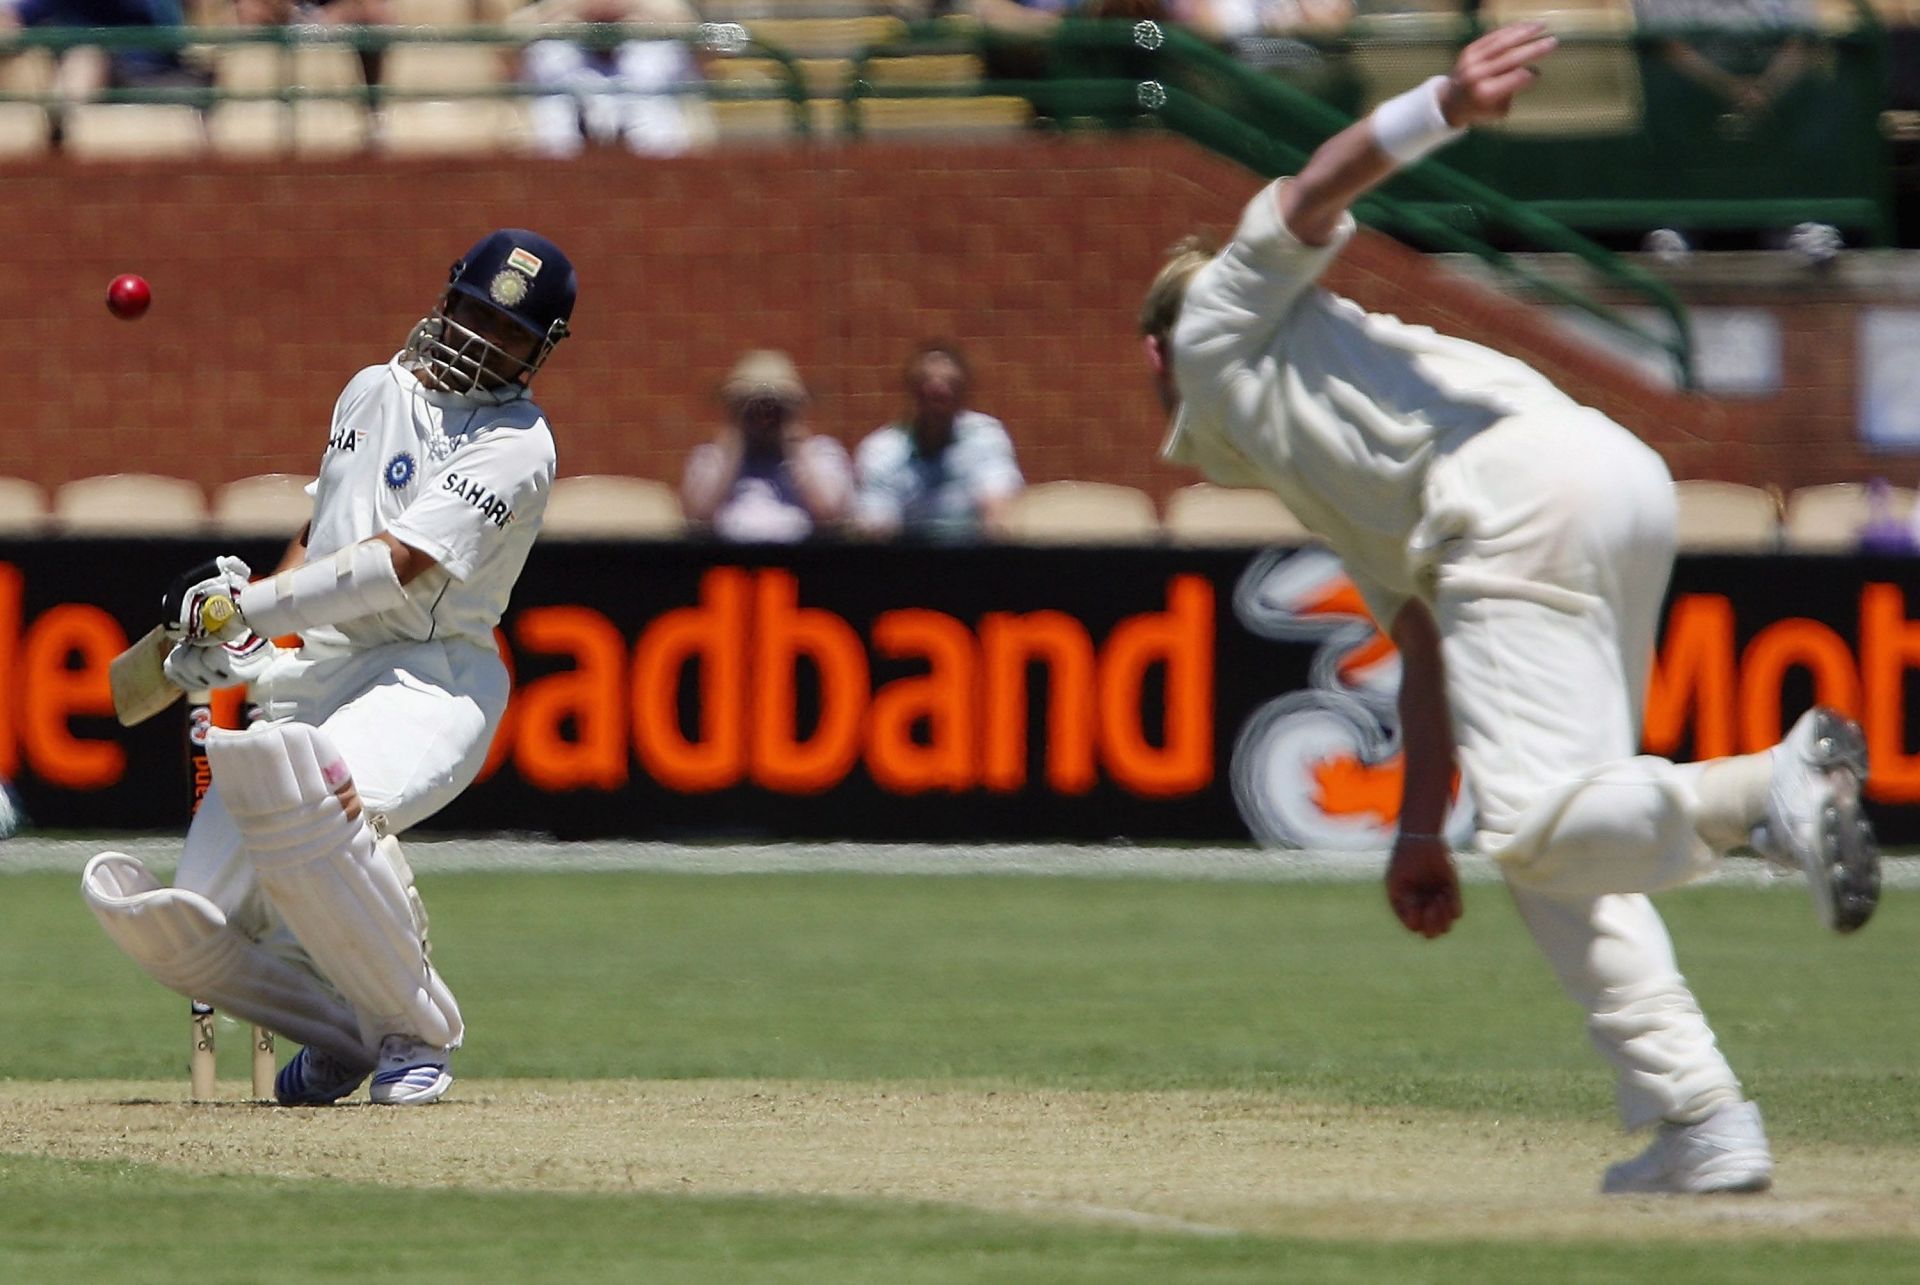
column 1517, row 546
column 293, row 906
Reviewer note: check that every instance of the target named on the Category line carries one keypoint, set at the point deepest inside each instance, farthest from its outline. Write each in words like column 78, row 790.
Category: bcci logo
column 399, row 471
column 508, row 288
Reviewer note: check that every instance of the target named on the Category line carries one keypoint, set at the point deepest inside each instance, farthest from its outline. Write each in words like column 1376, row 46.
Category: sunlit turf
column 1306, row 991
column 1309, row 989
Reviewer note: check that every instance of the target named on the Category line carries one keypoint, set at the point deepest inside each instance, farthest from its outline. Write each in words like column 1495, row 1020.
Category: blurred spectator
column 1745, row 54
column 289, row 13
column 765, row 477
column 85, row 70
column 946, row 471
column 1732, row 85
column 286, row 13
column 623, row 94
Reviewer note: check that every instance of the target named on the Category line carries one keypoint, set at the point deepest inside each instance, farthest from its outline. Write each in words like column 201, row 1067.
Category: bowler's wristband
column 1410, row 125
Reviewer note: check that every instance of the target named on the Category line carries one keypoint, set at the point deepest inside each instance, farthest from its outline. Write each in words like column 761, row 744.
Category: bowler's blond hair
column 1161, row 308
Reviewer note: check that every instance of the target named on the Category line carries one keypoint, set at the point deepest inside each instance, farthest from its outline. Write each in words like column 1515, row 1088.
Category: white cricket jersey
column 462, row 480
column 1337, row 410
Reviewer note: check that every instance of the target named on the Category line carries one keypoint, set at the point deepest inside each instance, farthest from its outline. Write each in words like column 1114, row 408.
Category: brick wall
column 271, row 286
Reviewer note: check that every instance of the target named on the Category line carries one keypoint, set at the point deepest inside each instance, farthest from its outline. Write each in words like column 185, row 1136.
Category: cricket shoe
column 1726, row 1152
column 410, row 1073
column 1814, row 822
column 315, row 1078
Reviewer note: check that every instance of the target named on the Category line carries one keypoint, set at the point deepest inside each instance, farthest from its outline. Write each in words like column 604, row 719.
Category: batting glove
column 186, row 603
column 205, row 666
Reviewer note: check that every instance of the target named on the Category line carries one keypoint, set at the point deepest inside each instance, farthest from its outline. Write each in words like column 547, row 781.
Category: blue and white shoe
column 314, row 1078
column 411, row 1073
column 1814, row 820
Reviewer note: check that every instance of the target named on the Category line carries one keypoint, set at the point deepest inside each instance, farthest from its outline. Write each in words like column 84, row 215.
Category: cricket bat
column 138, row 676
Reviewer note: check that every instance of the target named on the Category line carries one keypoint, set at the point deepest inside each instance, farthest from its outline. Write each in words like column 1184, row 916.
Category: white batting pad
column 183, row 942
column 340, row 895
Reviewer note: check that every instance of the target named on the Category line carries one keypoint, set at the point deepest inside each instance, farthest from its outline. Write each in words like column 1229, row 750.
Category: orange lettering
column 1009, row 644
column 783, row 633
column 943, row 697
column 56, row 690
column 714, row 633
column 588, row 696
column 1790, row 644
column 1889, row 647
column 1694, row 668
column 1181, row 639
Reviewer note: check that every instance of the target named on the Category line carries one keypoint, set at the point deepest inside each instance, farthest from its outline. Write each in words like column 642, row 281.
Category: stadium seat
column 453, row 68
column 260, row 129
column 454, row 127
column 992, row 116
column 29, row 71
column 433, row 13
column 23, row 507
column 467, row 121
column 1081, row 513
column 1726, row 517
column 267, row 129
column 132, row 131
column 826, row 76
column 24, row 130
column 1206, row 514
column 317, row 66
column 254, row 128
column 265, row 504
column 250, row 69
column 602, row 507
column 129, row 503
column 925, row 69
column 1829, row 519
column 769, row 119
column 1594, row 87
column 830, row 75
column 250, row 128
column 1390, row 53
column 826, row 37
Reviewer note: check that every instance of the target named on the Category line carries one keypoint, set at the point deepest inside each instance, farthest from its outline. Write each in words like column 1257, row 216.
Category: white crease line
column 29, row 853
column 1139, row 1219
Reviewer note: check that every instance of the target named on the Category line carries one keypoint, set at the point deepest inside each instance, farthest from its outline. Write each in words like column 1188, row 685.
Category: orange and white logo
column 1321, row 768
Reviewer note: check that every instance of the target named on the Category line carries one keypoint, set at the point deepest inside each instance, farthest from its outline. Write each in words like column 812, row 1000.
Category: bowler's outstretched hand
column 1422, row 887
column 1491, row 70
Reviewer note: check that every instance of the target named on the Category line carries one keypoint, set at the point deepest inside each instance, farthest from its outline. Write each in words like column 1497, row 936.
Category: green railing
column 1115, row 74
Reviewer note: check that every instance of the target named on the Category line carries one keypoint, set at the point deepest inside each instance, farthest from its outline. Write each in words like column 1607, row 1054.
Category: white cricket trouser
column 1552, row 542
column 413, row 722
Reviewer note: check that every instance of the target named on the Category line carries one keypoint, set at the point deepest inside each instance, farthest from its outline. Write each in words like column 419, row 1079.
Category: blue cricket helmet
column 522, row 274
column 517, row 274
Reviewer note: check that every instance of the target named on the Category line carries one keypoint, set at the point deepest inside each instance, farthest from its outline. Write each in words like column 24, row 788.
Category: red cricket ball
column 128, row 297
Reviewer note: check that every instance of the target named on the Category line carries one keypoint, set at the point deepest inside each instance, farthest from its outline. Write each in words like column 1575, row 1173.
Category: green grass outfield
column 1299, row 994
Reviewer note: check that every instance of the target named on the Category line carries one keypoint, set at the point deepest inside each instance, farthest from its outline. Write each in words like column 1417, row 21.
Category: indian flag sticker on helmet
column 520, row 261
column 508, row 288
